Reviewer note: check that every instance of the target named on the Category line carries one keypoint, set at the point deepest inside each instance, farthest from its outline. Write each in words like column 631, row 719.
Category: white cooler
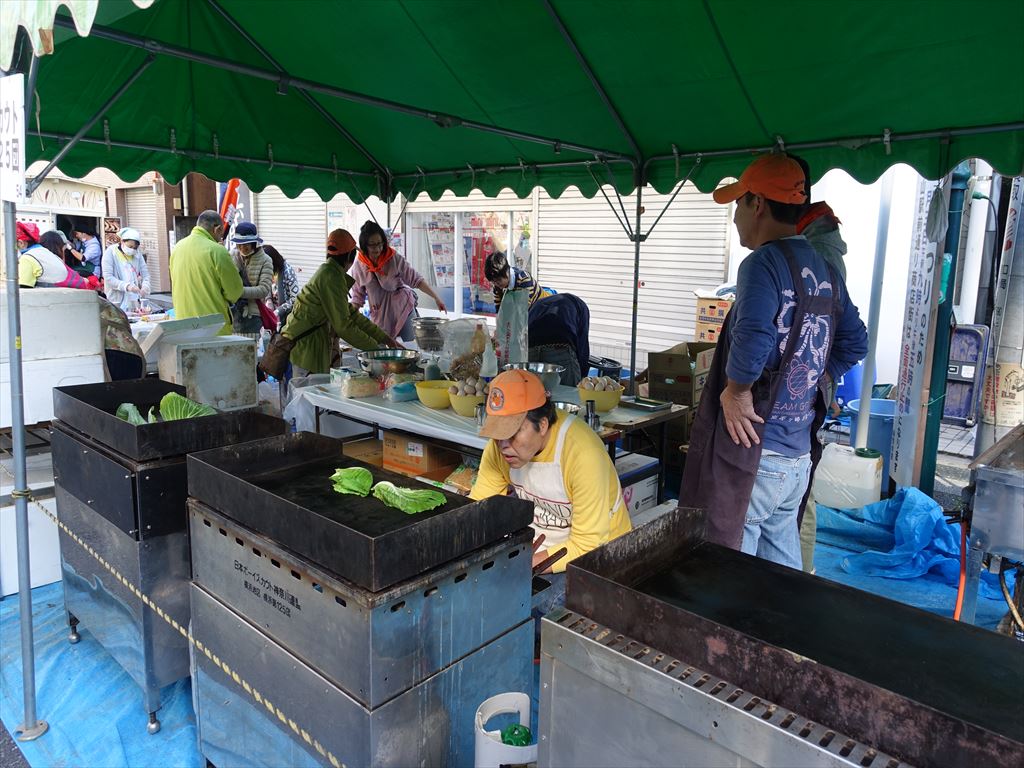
column 220, row 371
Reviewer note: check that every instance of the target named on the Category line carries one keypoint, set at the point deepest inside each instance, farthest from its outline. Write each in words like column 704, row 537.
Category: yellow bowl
column 604, row 400
column 434, row 394
column 465, row 405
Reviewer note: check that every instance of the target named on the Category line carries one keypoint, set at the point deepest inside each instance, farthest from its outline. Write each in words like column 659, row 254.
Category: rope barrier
column 186, row 633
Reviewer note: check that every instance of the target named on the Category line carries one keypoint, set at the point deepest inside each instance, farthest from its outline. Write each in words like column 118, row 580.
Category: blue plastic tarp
column 903, row 537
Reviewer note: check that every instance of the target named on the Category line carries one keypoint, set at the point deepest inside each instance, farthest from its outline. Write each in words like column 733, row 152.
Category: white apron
column 541, row 482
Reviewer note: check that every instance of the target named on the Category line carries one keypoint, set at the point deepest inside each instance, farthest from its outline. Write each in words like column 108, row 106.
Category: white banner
column 12, row 138
column 918, row 329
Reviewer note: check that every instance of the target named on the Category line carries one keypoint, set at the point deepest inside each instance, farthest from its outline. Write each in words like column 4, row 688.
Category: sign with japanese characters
column 12, row 138
column 918, row 331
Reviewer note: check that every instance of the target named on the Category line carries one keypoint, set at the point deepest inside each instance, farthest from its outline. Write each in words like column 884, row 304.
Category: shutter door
column 141, row 213
column 296, row 227
column 582, row 249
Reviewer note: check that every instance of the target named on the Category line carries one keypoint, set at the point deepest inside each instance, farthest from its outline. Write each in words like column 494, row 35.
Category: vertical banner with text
column 918, row 331
column 12, row 138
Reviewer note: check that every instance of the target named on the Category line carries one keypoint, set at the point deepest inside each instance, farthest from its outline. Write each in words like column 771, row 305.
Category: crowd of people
column 792, row 332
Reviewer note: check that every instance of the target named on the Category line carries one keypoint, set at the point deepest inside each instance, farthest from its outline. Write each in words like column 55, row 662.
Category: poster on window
column 111, row 226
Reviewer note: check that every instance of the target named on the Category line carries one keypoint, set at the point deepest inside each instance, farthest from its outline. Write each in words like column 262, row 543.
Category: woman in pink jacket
column 387, row 280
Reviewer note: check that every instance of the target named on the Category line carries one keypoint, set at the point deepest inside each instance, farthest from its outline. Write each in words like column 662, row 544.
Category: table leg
column 316, row 418
column 973, row 576
column 663, row 445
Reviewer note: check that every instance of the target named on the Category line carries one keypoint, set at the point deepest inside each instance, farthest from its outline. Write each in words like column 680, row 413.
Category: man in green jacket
column 322, row 305
column 204, row 279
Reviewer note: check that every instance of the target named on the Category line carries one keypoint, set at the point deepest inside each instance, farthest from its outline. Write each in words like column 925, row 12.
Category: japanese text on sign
column 12, row 138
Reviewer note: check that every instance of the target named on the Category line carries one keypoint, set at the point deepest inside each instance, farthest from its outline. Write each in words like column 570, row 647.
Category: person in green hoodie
column 322, row 313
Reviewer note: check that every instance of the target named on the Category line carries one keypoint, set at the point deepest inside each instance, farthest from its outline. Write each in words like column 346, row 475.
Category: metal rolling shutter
column 141, row 213
column 582, row 249
column 296, row 227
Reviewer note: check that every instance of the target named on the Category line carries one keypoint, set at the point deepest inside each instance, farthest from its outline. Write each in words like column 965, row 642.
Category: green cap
column 868, row 453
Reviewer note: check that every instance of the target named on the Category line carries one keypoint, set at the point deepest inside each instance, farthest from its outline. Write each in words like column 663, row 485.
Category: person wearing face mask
column 126, row 277
column 204, row 280
column 556, row 461
column 257, row 272
column 322, row 314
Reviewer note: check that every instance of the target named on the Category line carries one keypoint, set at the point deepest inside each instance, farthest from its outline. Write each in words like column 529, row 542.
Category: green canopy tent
column 381, row 97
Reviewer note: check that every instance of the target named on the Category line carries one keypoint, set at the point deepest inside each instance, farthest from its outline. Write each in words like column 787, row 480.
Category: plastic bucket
column 883, row 413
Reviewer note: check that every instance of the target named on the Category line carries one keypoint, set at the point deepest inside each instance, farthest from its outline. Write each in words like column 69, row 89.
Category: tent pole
column 285, row 80
column 305, row 94
column 31, row 186
column 860, row 440
column 637, row 238
column 33, row 727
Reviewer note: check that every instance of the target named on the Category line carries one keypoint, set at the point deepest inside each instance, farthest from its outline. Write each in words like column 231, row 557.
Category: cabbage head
column 173, row 407
column 408, row 500
column 130, row 413
column 353, row 480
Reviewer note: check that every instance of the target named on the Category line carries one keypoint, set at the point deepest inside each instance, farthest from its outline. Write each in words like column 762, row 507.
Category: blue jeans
column 770, row 530
column 546, row 601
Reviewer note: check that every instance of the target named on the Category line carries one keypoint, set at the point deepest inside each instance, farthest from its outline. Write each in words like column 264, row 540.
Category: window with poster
column 449, row 248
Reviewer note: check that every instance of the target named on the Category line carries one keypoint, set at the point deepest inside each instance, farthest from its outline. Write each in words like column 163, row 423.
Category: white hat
column 129, row 233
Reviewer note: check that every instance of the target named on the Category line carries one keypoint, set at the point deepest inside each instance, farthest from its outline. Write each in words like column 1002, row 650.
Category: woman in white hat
column 125, row 275
column 257, row 271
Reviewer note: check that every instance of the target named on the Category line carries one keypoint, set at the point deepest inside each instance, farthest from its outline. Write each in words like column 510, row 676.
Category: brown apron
column 719, row 474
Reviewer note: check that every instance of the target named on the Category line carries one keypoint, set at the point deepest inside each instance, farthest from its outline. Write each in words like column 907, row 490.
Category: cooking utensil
column 547, row 562
column 550, row 374
column 379, row 362
column 429, row 333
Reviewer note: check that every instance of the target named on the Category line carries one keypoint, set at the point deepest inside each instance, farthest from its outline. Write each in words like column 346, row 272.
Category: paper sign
column 12, row 138
column 1003, row 403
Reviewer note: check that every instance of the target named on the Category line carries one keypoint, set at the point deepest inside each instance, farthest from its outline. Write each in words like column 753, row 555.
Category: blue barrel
column 848, row 387
column 883, row 414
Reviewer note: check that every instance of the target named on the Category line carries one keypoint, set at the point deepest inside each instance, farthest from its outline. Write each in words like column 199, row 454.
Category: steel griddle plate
column 922, row 687
column 281, row 488
column 90, row 408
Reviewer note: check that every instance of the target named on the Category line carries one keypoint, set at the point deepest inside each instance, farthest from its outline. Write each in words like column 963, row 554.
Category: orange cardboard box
column 411, row 456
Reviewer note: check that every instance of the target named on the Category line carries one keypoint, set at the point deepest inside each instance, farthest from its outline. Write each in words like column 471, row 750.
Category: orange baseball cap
column 340, row 242
column 512, row 394
column 777, row 177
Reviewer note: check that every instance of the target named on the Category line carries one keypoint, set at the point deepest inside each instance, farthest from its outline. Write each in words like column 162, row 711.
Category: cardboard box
column 680, row 376
column 641, row 495
column 437, row 478
column 413, row 457
column 711, row 312
column 638, row 494
column 370, row 451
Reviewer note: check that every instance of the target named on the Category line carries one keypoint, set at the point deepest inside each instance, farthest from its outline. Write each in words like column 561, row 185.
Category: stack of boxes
column 711, row 312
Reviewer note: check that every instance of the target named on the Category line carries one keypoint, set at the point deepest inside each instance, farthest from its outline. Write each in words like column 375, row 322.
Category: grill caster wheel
column 154, row 724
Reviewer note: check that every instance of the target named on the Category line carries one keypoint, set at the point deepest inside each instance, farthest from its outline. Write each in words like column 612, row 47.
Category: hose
column 1009, row 601
column 962, row 583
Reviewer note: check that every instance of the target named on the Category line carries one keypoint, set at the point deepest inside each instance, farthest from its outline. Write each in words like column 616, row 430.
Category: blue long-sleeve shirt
column 764, row 310
column 93, row 254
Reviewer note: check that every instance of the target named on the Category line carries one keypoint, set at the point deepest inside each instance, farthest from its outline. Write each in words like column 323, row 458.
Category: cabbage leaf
column 408, row 500
column 130, row 413
column 353, row 480
column 173, row 407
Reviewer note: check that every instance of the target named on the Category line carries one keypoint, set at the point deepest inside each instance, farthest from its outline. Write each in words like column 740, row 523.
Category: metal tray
column 645, row 403
column 280, row 487
column 90, row 408
column 924, row 688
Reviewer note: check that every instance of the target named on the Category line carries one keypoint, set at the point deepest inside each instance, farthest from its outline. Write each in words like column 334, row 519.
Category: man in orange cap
column 556, row 461
column 322, row 313
column 791, row 331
